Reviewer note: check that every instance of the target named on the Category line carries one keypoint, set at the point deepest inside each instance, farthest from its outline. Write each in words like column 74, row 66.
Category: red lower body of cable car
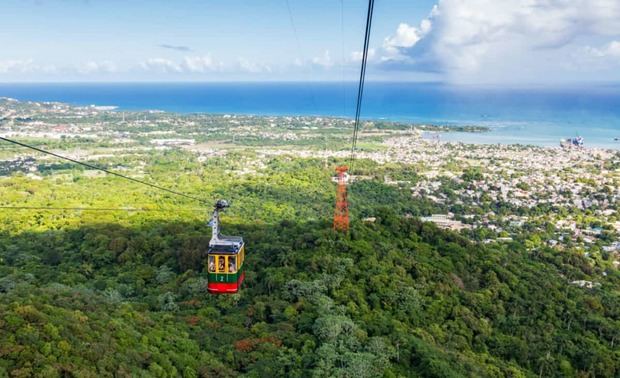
column 225, row 283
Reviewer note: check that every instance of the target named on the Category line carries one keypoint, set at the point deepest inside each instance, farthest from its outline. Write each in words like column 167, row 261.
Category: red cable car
column 225, row 258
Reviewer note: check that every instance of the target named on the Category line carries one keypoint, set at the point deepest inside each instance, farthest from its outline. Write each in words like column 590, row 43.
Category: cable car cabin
column 225, row 258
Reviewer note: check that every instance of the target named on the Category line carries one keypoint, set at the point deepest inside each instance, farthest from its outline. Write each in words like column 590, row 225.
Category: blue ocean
column 539, row 116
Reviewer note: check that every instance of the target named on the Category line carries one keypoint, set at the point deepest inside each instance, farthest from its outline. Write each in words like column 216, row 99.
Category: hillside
column 395, row 298
column 124, row 294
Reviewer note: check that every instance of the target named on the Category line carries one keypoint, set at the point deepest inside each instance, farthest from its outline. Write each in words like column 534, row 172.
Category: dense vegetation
column 123, row 293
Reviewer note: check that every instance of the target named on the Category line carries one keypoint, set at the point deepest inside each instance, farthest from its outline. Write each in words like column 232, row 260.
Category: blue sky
column 458, row 41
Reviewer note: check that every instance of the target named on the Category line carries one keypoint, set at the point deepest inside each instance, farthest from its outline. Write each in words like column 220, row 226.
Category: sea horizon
column 537, row 116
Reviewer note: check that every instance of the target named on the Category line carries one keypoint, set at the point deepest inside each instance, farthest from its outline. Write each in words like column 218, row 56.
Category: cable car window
column 221, row 264
column 211, row 264
column 232, row 265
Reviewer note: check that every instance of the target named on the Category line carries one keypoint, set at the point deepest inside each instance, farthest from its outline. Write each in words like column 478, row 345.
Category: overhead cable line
column 128, row 209
column 292, row 20
column 104, row 170
column 360, row 89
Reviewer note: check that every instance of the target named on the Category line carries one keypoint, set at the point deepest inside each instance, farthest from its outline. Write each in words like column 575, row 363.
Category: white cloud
column 189, row 64
column 324, row 60
column 13, row 66
column 200, row 64
column 407, row 36
column 161, row 65
column 31, row 68
column 91, row 67
column 153, row 67
column 508, row 40
column 24, row 66
column 245, row 65
column 356, row 56
column 610, row 50
column 604, row 58
column 203, row 64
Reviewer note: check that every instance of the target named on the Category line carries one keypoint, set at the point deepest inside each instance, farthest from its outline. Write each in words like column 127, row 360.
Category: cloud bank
column 202, row 65
column 481, row 41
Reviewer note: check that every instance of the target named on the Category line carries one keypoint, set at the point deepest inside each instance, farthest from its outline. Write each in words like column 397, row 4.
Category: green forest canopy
column 123, row 294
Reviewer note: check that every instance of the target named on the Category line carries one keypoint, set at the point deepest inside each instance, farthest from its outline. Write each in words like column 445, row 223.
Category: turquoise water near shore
column 539, row 116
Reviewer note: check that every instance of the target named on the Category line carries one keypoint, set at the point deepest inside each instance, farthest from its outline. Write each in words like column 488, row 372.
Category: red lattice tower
column 341, row 214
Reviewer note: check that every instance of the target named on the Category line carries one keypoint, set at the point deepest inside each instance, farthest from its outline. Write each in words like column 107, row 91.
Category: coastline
column 492, row 138
column 487, row 132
